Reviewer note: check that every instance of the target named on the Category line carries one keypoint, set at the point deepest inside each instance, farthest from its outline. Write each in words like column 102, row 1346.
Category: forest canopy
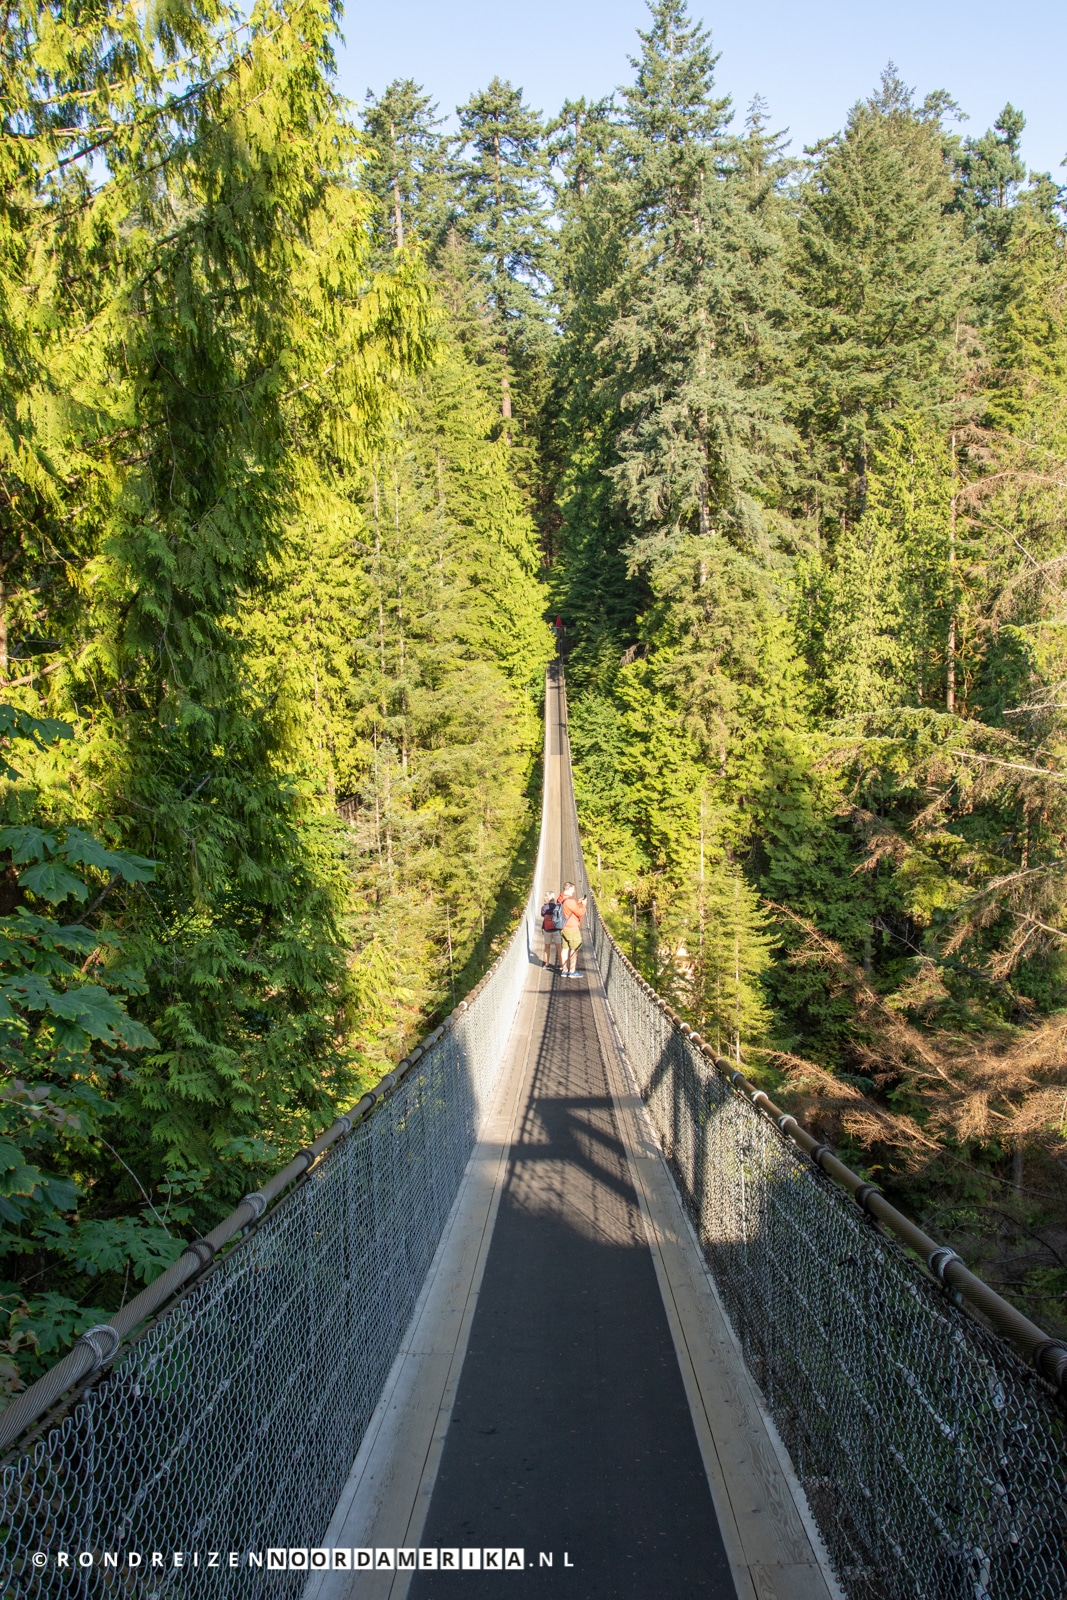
column 312, row 414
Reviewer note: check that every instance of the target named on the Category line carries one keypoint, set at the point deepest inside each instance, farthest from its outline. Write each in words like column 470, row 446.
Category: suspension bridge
column 564, row 1305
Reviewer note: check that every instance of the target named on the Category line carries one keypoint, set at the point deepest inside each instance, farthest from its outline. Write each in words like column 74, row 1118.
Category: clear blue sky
column 811, row 61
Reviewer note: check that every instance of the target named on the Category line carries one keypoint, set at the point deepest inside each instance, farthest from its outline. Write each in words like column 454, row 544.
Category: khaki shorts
column 551, row 938
column 572, row 938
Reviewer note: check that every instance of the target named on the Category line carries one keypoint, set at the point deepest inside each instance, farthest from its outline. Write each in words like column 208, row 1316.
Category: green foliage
column 670, row 768
column 66, row 1037
column 891, row 589
column 680, row 459
column 407, row 168
column 499, row 177
column 1029, row 331
column 500, row 172
column 402, row 652
column 809, row 463
column 991, row 172
column 260, row 555
column 883, row 272
column 578, row 140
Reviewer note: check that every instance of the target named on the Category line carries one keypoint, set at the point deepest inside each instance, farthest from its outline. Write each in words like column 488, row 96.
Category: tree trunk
column 376, row 503
column 398, row 215
column 950, row 664
column 400, row 625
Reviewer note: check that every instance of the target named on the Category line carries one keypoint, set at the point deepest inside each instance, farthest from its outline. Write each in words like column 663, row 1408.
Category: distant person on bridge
column 551, row 926
column 573, row 912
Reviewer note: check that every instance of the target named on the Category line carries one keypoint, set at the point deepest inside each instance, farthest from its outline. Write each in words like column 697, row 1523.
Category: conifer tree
column 1029, row 331
column 731, row 956
column 593, row 585
column 408, row 168
column 890, row 594
column 695, row 354
column 884, row 272
column 991, row 171
column 578, row 140
column 679, row 238
column 501, row 173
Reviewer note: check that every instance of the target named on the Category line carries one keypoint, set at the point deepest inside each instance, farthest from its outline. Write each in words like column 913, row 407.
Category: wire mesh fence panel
column 231, row 1423
column 932, row 1457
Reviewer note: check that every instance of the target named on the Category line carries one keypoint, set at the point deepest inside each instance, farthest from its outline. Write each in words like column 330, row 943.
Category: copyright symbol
column 40, row 1559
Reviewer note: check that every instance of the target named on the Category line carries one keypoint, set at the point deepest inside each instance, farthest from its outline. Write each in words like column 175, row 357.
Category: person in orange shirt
column 573, row 912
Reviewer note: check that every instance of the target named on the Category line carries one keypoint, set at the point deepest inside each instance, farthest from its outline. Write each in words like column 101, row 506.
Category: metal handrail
column 1047, row 1355
column 98, row 1347
column 95, row 1351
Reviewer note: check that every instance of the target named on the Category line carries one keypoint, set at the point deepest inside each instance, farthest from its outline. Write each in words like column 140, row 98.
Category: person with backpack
column 552, row 928
column 573, row 910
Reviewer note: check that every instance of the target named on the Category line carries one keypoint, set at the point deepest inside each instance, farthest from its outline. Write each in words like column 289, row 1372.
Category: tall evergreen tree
column 578, row 140
column 991, row 171
column 501, row 172
column 890, row 602
column 696, row 353
column 685, row 356
column 407, row 172
column 884, row 274
column 591, row 580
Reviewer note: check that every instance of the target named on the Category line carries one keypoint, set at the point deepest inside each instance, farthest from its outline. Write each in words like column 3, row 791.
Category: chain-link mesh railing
column 231, row 1423
column 933, row 1458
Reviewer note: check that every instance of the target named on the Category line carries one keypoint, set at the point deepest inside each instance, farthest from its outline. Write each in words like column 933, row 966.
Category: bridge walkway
column 568, row 1386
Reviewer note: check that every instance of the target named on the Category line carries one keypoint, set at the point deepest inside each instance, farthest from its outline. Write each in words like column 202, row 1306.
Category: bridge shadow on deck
column 571, row 1433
